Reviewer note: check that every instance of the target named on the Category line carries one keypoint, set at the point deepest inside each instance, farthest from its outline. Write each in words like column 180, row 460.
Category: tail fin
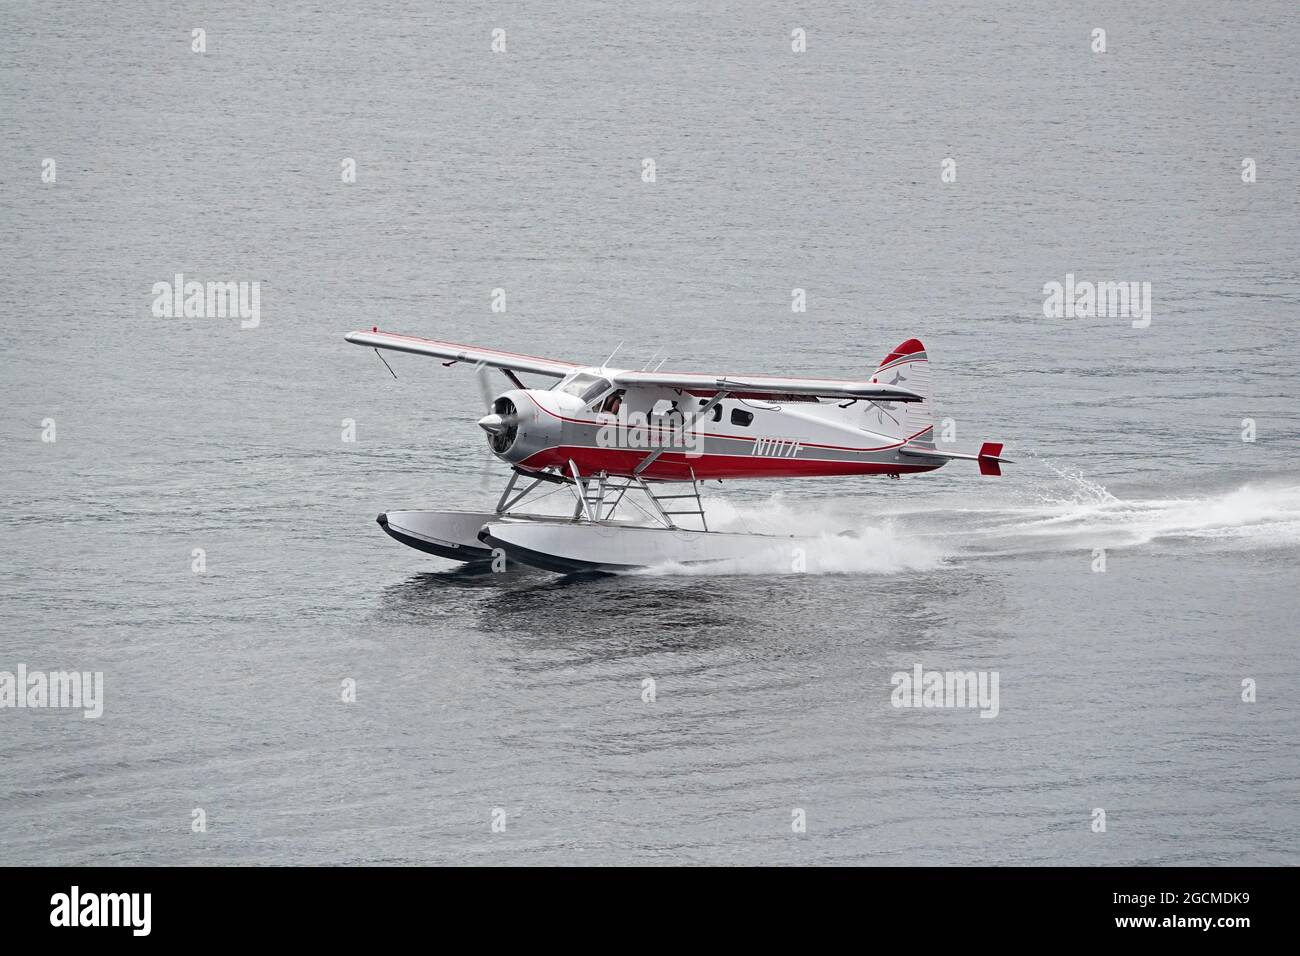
column 989, row 457
column 909, row 367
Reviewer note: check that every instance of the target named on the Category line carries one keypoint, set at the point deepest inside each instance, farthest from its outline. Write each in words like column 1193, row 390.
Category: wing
column 454, row 353
column 767, row 385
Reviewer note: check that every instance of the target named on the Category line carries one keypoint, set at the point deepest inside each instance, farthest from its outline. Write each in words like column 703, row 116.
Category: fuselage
column 661, row 434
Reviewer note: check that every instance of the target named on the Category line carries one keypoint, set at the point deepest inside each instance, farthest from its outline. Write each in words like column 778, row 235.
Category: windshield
column 585, row 386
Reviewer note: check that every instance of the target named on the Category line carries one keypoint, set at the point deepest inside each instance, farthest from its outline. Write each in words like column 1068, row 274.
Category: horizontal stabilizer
column 988, row 458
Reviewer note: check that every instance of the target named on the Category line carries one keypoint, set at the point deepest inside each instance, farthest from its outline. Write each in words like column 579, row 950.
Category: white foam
column 832, row 540
column 1059, row 514
column 1252, row 516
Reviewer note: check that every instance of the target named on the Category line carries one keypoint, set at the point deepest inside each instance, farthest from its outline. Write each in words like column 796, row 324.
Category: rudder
column 907, row 366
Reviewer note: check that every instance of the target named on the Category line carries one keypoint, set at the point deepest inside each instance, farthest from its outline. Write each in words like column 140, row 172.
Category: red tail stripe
column 910, row 347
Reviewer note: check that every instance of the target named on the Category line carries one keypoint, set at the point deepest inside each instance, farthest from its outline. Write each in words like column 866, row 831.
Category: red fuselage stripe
column 618, row 461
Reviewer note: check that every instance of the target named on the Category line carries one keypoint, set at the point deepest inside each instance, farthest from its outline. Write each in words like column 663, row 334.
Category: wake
column 1058, row 514
column 1249, row 517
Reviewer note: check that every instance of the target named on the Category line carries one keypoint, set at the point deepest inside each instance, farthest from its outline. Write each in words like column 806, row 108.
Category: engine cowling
column 524, row 422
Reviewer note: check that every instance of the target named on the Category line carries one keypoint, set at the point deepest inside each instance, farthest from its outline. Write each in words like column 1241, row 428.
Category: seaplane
column 633, row 447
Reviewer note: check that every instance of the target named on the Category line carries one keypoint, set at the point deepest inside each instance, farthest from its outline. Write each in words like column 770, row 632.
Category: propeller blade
column 485, row 386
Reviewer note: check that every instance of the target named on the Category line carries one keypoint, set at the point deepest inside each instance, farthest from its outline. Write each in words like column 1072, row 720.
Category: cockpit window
column 585, row 386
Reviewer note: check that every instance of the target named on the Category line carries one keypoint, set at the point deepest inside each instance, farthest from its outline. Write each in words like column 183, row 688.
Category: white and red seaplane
column 618, row 436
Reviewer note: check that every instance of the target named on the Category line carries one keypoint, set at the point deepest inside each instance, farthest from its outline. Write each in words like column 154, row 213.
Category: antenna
column 611, row 355
column 661, row 363
column 652, row 358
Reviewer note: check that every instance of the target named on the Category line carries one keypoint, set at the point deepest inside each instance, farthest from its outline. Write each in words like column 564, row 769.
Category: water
column 1118, row 690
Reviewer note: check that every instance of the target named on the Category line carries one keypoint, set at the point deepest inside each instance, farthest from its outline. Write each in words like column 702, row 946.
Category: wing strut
column 385, row 361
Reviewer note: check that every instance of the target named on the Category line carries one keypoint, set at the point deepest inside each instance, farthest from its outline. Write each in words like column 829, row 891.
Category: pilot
column 613, row 403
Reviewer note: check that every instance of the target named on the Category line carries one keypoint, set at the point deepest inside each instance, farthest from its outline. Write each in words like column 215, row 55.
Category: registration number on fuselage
column 775, row 448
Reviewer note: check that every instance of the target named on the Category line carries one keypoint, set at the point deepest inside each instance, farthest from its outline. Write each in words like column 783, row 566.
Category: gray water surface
column 775, row 170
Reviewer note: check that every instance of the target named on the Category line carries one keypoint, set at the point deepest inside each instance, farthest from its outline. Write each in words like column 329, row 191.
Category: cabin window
column 585, row 386
column 717, row 412
column 741, row 417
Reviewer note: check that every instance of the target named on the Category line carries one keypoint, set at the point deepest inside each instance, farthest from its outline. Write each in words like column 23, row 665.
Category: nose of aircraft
column 492, row 424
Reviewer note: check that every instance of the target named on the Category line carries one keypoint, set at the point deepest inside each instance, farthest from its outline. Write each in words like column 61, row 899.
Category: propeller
column 496, row 423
